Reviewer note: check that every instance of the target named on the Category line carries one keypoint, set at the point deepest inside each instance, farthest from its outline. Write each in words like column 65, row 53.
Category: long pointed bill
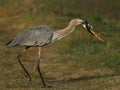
column 90, row 29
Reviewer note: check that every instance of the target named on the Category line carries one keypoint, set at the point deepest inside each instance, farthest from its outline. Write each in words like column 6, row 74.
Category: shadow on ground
column 83, row 79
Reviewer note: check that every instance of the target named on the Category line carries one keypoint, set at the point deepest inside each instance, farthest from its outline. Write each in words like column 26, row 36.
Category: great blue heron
column 41, row 36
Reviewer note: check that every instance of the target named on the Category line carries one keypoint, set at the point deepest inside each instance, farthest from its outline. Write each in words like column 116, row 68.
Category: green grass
column 77, row 62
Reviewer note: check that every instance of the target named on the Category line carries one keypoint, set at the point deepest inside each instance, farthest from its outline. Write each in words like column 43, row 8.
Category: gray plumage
column 36, row 36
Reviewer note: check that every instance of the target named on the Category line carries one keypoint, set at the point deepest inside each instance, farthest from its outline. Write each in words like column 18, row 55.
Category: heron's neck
column 59, row 34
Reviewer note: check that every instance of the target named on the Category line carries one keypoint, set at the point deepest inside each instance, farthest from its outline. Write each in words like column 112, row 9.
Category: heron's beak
column 90, row 29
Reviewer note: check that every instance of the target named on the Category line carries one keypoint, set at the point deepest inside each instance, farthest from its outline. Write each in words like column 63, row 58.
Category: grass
column 77, row 62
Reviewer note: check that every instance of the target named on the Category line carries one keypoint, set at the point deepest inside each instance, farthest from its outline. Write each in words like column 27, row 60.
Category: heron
column 43, row 35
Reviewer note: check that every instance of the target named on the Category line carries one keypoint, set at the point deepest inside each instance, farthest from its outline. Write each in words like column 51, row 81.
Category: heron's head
column 76, row 22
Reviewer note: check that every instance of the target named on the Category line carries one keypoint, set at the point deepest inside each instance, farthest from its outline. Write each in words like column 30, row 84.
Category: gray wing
column 36, row 36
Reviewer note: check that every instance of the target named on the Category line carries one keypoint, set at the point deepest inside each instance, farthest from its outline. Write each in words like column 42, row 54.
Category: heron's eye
column 83, row 23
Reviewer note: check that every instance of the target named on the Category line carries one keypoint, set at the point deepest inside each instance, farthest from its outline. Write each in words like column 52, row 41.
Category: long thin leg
column 38, row 67
column 18, row 58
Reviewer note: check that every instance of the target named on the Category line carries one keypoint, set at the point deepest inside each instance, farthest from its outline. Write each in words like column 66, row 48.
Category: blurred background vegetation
column 78, row 54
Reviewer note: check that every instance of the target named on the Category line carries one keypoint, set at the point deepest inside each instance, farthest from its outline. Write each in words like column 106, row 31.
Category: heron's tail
column 9, row 44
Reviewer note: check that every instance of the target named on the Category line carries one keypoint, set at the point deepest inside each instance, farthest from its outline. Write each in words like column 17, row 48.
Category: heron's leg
column 38, row 67
column 18, row 58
